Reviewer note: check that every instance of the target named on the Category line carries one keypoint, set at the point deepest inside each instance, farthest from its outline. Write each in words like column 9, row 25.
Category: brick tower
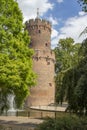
column 43, row 62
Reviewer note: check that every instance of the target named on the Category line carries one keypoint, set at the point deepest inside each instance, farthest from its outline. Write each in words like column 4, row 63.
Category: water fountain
column 12, row 107
column 12, row 111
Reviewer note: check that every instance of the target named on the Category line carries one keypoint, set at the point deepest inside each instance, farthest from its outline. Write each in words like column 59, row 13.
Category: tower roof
column 38, row 21
column 37, row 13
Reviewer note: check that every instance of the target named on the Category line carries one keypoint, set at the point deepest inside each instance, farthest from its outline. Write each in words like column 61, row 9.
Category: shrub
column 64, row 123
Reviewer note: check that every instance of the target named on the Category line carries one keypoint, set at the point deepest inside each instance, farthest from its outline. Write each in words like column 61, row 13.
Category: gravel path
column 25, row 121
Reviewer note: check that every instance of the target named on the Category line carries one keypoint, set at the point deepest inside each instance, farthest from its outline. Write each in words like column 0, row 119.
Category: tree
column 66, row 54
column 83, row 3
column 63, row 122
column 16, row 74
column 74, row 84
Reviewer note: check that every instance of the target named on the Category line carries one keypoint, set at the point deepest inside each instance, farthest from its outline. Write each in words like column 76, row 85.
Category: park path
column 13, row 120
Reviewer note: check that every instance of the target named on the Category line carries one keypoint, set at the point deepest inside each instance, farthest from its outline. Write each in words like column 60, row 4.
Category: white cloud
column 81, row 13
column 29, row 7
column 72, row 28
column 59, row 1
column 54, row 33
column 54, row 37
column 53, row 20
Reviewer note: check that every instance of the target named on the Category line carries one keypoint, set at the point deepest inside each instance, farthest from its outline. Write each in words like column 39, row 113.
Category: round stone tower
column 43, row 63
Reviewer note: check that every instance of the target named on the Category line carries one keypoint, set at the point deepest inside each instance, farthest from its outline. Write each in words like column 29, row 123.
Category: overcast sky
column 66, row 17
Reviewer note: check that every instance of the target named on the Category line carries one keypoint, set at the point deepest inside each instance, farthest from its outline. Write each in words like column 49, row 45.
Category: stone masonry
column 43, row 63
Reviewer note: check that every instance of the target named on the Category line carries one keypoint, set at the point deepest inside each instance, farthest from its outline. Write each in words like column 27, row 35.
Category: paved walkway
column 25, row 121
column 28, row 121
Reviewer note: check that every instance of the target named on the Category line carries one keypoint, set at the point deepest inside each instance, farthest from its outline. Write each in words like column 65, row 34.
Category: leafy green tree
column 83, row 3
column 16, row 74
column 74, row 85
column 66, row 51
column 66, row 54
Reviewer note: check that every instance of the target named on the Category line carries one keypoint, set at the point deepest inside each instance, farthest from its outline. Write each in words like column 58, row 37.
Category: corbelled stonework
column 43, row 62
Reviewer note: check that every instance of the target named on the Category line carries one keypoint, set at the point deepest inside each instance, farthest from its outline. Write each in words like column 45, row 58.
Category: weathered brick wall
column 43, row 63
column 40, row 32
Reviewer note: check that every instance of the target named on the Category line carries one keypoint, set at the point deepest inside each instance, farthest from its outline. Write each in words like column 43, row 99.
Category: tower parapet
column 38, row 23
column 40, row 31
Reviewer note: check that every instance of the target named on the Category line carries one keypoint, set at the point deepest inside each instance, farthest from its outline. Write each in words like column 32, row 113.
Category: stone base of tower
column 42, row 98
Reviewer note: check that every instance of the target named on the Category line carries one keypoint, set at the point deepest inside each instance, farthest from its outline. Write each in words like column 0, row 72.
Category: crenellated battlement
column 38, row 23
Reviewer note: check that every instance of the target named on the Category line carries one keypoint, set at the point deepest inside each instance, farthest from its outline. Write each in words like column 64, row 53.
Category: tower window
column 48, row 63
column 30, row 45
column 39, row 31
column 46, row 44
column 50, row 84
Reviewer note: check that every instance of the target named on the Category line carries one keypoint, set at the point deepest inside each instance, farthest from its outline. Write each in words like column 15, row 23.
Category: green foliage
column 64, row 123
column 74, row 85
column 16, row 74
column 84, row 31
column 83, row 3
column 66, row 54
